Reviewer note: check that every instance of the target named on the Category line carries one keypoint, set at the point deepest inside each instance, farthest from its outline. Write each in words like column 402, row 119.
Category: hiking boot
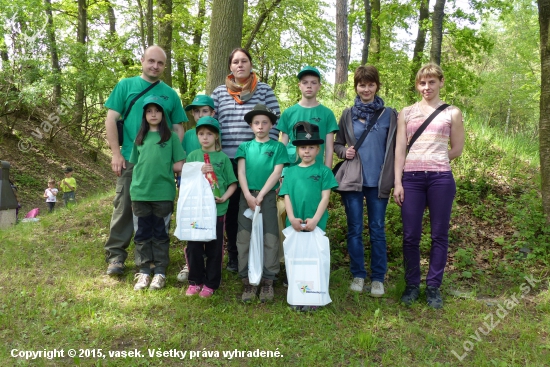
column 142, row 281
column 193, row 289
column 410, row 295
column 433, row 296
column 206, row 292
column 115, row 268
column 183, row 274
column 357, row 284
column 376, row 289
column 232, row 265
column 158, row 282
column 249, row 292
column 266, row 293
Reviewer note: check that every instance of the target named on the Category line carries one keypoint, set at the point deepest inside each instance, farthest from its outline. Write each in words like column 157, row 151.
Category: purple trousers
column 435, row 190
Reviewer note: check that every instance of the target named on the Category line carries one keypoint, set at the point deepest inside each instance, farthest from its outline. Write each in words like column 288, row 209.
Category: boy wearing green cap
column 202, row 105
column 260, row 162
column 309, row 109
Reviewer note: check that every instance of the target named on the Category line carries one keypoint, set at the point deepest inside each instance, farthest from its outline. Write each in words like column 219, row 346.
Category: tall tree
column 54, row 56
column 165, row 36
column 368, row 28
column 437, row 31
column 149, row 20
column 341, row 76
column 225, row 35
column 81, row 35
column 374, row 48
column 544, row 126
column 142, row 22
column 267, row 10
column 423, row 17
column 195, row 56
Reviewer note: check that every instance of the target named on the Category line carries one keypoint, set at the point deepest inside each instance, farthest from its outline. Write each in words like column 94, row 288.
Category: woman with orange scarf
column 240, row 93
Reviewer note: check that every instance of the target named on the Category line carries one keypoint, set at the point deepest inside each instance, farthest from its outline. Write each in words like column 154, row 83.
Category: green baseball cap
column 201, row 100
column 309, row 70
column 159, row 101
column 208, row 121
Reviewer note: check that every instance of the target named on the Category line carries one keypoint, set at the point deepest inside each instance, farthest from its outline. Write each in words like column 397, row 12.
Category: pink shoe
column 206, row 292
column 193, row 289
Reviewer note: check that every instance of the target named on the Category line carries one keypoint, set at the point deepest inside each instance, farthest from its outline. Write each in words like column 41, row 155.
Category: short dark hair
column 238, row 49
column 366, row 74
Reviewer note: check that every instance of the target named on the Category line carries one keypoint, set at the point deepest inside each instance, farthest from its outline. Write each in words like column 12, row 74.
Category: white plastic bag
column 256, row 249
column 307, row 260
column 196, row 211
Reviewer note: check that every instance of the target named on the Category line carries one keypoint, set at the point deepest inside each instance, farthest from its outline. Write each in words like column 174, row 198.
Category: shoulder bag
column 120, row 121
column 425, row 124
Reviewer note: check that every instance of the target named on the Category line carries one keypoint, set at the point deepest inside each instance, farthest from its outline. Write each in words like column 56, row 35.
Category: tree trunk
column 165, row 36
column 368, row 28
column 374, row 48
column 225, row 35
column 437, row 31
column 544, row 125
column 341, row 76
column 149, row 20
column 56, row 69
column 263, row 15
column 112, row 19
column 195, row 57
column 424, row 15
column 81, row 33
column 350, row 29
column 141, row 26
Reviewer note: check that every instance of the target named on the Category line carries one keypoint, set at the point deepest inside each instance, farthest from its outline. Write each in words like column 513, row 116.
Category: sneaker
column 376, row 289
column 184, row 274
column 433, row 296
column 206, row 292
column 232, row 265
column 357, row 284
column 410, row 295
column 158, row 282
column 309, row 308
column 249, row 292
column 296, row 308
column 266, row 293
column 115, row 268
column 142, row 281
column 193, row 289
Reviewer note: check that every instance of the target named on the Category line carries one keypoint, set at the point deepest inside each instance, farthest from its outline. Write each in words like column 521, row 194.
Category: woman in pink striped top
column 423, row 178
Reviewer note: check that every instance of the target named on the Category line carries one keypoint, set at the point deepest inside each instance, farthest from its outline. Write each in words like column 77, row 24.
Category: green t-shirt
column 318, row 115
column 190, row 141
column 260, row 161
column 304, row 185
column 223, row 170
column 153, row 176
column 126, row 90
column 71, row 181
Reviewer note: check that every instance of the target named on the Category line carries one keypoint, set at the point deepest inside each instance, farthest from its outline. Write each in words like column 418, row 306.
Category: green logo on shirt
column 162, row 145
column 218, row 165
column 269, row 154
column 316, row 119
column 314, row 177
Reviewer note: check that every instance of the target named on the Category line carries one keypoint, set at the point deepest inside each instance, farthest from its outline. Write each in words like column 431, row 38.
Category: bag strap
column 138, row 97
column 368, row 129
column 424, row 125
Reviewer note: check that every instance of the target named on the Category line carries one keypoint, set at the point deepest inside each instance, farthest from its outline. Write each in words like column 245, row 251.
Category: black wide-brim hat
column 260, row 109
column 306, row 134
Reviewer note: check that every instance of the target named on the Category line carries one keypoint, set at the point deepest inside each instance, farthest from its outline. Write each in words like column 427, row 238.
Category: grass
column 54, row 294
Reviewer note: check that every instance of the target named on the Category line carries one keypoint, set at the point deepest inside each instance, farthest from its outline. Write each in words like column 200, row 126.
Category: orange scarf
column 241, row 94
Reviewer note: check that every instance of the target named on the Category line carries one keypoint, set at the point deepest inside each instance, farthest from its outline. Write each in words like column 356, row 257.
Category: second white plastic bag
column 307, row 261
column 196, row 211
column 256, row 250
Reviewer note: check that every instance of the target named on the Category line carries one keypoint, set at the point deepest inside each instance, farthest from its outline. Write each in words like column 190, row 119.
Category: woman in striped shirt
column 423, row 178
column 240, row 93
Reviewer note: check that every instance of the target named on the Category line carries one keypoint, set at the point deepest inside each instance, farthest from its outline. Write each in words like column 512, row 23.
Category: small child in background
column 51, row 195
column 68, row 187
column 202, row 105
column 205, row 279
column 14, row 189
column 260, row 163
column 157, row 154
column 307, row 185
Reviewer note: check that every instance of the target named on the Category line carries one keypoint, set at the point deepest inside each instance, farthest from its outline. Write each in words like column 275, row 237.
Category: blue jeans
column 435, row 190
column 376, row 211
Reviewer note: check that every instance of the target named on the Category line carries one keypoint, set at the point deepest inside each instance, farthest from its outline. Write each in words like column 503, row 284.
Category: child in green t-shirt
column 205, row 279
column 260, row 163
column 307, row 185
column 68, row 187
column 157, row 154
column 202, row 105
